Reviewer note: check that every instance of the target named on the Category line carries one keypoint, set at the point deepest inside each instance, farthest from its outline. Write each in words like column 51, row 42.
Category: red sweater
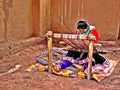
column 93, row 32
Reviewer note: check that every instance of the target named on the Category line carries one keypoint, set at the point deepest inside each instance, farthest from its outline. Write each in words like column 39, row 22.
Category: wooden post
column 90, row 53
column 49, row 52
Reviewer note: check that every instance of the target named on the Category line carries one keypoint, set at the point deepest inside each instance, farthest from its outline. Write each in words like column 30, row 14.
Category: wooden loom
column 72, row 37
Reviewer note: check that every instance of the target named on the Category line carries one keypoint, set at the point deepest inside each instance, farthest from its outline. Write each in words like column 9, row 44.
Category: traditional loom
column 68, row 38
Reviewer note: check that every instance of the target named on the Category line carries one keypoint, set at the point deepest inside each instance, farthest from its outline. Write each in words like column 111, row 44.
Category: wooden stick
column 49, row 52
column 90, row 53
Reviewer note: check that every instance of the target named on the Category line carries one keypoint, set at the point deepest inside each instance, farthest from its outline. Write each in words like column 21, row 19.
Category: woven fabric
column 71, row 36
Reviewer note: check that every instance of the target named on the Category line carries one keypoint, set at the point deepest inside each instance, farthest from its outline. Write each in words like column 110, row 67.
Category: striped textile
column 71, row 36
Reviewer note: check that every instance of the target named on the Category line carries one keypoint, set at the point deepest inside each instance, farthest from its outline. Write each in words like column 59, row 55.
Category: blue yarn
column 86, row 65
column 65, row 64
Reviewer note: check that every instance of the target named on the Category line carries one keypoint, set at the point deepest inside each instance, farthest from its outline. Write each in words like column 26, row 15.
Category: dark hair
column 82, row 24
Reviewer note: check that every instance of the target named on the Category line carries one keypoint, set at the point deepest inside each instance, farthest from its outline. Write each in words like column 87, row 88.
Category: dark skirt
column 98, row 58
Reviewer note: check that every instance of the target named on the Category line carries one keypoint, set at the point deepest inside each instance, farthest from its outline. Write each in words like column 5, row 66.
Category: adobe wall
column 45, row 16
column 59, row 16
column 15, row 25
column 15, row 19
column 1, row 23
column 104, row 14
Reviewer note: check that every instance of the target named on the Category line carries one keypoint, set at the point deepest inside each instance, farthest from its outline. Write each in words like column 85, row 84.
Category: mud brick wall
column 18, row 23
column 104, row 14
column 15, row 25
column 15, row 19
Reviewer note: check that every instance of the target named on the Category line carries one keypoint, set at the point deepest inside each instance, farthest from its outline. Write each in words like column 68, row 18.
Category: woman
column 83, row 28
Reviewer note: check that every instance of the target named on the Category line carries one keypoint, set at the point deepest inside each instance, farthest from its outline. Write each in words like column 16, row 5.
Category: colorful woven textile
column 102, row 71
column 99, row 71
column 70, row 36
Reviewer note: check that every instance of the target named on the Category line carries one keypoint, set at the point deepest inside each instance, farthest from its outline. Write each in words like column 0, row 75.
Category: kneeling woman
column 83, row 28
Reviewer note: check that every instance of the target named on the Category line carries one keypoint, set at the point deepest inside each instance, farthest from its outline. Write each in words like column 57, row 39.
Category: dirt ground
column 22, row 80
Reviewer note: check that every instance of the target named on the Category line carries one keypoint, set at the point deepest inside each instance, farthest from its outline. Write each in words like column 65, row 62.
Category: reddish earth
column 22, row 80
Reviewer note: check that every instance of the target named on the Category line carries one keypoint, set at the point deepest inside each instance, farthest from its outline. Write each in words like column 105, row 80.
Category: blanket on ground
column 99, row 71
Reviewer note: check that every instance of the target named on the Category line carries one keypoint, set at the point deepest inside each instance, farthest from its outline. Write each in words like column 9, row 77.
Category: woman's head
column 82, row 26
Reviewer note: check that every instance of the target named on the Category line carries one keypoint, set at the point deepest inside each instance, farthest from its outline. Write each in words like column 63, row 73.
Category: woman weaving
column 83, row 28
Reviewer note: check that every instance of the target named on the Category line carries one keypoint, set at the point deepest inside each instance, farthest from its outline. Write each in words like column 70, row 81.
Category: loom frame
column 91, row 39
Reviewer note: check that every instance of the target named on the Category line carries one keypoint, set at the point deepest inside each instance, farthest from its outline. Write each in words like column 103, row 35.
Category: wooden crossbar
column 51, row 35
column 69, row 36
